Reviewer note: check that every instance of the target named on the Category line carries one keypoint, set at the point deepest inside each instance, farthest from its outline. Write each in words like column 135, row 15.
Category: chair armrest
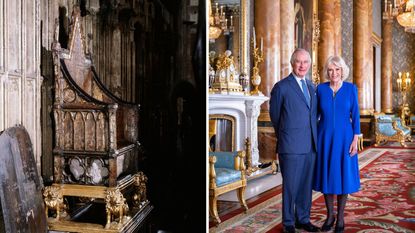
column 396, row 127
column 400, row 124
column 239, row 161
column 212, row 173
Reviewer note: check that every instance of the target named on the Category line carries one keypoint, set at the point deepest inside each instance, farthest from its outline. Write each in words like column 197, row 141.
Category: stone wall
column 20, row 78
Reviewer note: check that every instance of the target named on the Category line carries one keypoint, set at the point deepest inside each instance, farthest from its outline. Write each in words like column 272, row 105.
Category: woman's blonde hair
column 339, row 62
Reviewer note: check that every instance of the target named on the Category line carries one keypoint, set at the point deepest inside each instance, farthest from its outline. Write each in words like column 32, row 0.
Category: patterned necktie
column 305, row 91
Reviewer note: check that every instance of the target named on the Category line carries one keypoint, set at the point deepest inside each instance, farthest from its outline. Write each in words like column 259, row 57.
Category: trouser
column 297, row 176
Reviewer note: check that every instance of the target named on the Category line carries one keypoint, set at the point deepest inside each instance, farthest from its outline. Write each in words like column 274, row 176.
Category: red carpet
column 386, row 202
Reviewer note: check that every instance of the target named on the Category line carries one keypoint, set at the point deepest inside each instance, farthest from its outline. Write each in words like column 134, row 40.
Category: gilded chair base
column 382, row 142
column 131, row 225
column 125, row 205
column 213, row 198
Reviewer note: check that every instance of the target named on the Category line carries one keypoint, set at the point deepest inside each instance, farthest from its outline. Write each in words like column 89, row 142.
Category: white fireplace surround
column 245, row 110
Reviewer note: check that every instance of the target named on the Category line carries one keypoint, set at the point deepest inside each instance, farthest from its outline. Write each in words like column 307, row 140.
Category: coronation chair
column 96, row 148
column 226, row 173
column 389, row 128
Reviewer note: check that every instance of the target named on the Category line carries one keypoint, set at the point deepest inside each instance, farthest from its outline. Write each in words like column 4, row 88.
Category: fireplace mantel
column 245, row 110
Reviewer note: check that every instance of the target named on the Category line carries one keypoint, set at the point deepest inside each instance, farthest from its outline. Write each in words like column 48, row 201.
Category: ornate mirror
column 227, row 30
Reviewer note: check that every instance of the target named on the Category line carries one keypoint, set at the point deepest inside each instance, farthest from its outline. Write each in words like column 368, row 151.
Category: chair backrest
column 225, row 159
column 384, row 124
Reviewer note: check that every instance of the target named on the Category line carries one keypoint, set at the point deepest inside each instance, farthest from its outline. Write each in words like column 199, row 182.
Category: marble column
column 267, row 26
column 329, row 13
column 337, row 26
column 287, row 15
column 362, row 55
column 386, row 81
column 369, row 56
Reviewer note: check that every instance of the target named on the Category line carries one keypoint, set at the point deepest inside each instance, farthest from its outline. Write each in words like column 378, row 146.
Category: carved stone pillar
column 267, row 25
column 287, row 15
column 329, row 12
column 362, row 55
column 386, row 82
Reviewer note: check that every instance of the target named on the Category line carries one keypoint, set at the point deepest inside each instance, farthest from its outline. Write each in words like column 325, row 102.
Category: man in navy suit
column 293, row 113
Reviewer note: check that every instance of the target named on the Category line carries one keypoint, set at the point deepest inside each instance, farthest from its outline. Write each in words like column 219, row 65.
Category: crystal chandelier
column 404, row 12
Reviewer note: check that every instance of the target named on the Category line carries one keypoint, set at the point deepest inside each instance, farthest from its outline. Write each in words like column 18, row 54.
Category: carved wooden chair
column 96, row 134
column 226, row 173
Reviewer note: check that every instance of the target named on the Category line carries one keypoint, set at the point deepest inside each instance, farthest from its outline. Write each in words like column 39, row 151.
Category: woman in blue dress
column 337, row 169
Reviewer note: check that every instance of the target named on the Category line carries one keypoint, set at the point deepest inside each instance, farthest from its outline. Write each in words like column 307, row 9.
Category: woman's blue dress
column 337, row 172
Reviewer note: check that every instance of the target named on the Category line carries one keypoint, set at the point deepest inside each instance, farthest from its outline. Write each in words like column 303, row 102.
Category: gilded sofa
column 390, row 128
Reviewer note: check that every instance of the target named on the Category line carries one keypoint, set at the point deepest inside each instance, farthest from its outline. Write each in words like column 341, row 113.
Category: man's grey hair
column 296, row 51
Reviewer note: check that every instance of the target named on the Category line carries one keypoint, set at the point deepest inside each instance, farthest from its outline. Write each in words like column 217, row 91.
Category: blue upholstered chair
column 389, row 128
column 226, row 173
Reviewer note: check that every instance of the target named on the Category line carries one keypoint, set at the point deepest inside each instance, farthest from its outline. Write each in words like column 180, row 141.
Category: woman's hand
column 353, row 146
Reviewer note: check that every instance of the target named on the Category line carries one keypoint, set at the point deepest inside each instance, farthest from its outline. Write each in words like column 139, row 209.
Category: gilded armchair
column 389, row 128
column 226, row 173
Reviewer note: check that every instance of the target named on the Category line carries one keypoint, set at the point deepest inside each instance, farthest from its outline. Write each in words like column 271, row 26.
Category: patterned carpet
column 386, row 202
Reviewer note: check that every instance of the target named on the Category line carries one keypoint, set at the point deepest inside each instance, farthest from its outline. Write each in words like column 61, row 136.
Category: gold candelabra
column 258, row 55
column 404, row 82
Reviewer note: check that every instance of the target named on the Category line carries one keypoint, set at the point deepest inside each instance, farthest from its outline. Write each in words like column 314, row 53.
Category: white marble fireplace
column 245, row 110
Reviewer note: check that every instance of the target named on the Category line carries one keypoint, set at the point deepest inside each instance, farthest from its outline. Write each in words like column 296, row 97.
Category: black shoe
column 339, row 229
column 326, row 226
column 307, row 227
column 288, row 229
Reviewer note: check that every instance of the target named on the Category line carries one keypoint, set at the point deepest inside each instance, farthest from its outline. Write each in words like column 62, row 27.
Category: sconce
column 403, row 82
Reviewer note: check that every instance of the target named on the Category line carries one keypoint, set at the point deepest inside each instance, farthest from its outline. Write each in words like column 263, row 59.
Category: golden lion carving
column 115, row 206
column 53, row 200
column 140, row 195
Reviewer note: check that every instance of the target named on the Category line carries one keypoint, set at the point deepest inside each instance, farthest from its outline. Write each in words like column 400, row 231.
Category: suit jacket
column 295, row 123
